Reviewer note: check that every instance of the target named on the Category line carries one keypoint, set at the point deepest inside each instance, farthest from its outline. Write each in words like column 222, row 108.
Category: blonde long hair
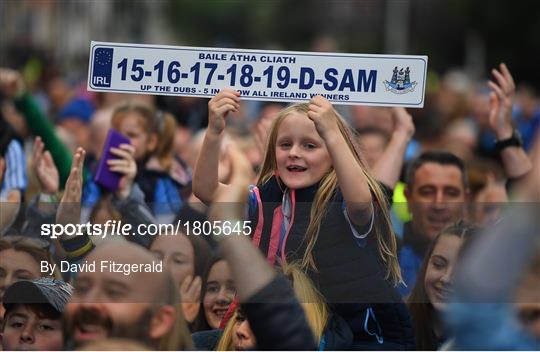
column 312, row 301
column 386, row 240
column 225, row 341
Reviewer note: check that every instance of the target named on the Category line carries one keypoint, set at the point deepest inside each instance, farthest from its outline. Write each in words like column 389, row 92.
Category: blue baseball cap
column 77, row 109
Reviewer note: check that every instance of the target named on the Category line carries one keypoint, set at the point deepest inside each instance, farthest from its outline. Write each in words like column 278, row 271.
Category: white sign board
column 292, row 76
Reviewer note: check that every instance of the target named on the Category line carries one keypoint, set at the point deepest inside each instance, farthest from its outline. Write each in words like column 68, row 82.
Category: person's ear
column 152, row 142
column 162, row 322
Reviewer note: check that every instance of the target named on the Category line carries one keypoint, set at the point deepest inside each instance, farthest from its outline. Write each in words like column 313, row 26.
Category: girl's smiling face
column 302, row 158
column 439, row 273
column 219, row 293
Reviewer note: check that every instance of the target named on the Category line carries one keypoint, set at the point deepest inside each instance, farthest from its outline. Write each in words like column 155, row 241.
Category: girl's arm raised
column 267, row 298
column 205, row 176
column 350, row 175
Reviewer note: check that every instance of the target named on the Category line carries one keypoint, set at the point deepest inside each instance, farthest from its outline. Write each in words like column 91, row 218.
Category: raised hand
column 44, row 167
column 387, row 168
column 403, row 122
column 190, row 292
column 323, row 115
column 500, row 112
column 515, row 161
column 126, row 165
column 235, row 194
column 225, row 101
column 69, row 210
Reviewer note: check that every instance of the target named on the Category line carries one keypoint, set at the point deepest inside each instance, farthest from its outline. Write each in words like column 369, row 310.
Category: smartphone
column 105, row 177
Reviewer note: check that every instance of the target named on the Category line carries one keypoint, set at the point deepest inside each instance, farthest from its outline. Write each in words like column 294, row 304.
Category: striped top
column 15, row 173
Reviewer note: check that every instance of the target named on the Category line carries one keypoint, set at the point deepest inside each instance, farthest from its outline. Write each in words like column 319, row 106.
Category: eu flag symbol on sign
column 101, row 74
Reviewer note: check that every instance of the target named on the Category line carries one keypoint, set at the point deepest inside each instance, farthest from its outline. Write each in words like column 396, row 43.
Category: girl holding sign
column 316, row 204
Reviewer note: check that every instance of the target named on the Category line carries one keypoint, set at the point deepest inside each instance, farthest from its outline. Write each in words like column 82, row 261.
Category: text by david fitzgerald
column 105, row 266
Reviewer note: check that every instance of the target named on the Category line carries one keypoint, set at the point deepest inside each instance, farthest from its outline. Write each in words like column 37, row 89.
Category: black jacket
column 350, row 275
column 277, row 319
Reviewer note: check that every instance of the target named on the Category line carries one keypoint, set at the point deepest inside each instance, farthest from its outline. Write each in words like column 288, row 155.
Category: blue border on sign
column 260, row 52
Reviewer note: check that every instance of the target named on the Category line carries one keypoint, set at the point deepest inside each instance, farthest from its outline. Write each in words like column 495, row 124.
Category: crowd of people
column 348, row 227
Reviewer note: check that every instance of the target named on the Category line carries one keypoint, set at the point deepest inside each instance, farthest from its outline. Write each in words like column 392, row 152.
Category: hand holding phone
column 108, row 174
column 126, row 166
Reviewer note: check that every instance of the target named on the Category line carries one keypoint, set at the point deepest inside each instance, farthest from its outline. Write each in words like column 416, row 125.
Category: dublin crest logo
column 401, row 81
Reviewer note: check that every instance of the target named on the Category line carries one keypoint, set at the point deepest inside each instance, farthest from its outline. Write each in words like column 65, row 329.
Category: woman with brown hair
column 217, row 293
column 433, row 287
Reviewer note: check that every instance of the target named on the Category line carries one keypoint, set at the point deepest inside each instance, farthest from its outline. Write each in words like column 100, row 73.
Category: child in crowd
column 237, row 334
column 152, row 134
column 315, row 203
column 330, row 334
column 430, row 294
column 217, row 293
column 187, row 258
column 34, row 315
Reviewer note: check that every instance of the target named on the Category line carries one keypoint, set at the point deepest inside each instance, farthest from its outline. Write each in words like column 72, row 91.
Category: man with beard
column 436, row 191
column 138, row 306
column 122, row 298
